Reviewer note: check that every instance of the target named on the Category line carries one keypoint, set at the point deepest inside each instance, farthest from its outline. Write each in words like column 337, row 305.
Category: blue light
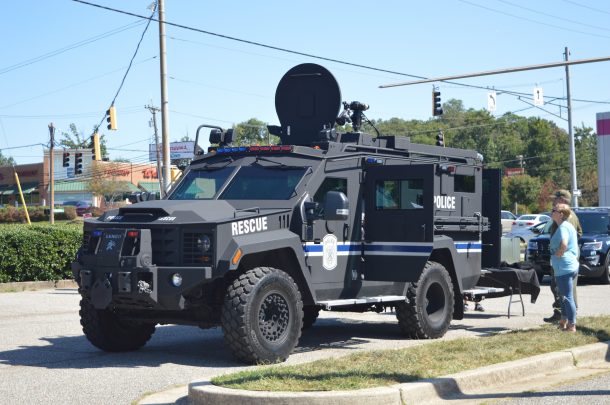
column 374, row 161
column 97, row 233
column 243, row 149
column 234, row 149
column 220, row 150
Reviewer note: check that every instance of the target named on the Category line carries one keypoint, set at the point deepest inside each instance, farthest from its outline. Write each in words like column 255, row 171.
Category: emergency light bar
column 253, row 149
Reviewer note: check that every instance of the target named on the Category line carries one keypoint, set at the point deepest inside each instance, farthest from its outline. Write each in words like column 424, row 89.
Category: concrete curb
column 445, row 387
column 36, row 285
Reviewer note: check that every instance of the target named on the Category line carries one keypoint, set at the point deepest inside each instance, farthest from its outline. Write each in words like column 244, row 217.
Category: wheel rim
column 273, row 317
column 435, row 303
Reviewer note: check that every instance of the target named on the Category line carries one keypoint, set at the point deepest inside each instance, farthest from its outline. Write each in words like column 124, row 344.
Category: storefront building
column 117, row 177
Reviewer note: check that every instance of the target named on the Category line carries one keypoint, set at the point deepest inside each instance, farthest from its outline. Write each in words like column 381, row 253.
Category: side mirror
column 336, row 206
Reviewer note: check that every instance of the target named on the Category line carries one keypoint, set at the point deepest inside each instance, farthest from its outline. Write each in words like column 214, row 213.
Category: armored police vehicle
column 259, row 239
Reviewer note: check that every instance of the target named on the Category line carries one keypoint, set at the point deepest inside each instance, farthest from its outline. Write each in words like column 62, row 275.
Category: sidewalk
column 473, row 386
column 36, row 285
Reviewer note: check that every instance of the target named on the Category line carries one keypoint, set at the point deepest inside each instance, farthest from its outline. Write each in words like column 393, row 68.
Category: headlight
column 204, row 243
column 532, row 245
column 592, row 246
column 176, row 279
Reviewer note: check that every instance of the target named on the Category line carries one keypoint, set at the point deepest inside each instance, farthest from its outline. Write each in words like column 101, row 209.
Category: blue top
column 568, row 263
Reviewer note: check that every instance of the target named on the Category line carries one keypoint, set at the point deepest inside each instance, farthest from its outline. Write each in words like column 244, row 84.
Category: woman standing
column 564, row 259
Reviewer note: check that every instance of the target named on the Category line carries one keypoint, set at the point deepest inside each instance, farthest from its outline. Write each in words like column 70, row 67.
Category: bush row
column 17, row 215
column 38, row 252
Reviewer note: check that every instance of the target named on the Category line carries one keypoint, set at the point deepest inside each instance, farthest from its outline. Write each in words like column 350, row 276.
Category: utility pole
column 153, row 111
column 51, row 178
column 571, row 135
column 164, row 105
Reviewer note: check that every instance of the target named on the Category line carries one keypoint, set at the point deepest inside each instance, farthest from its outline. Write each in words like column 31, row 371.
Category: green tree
column 523, row 190
column 253, row 132
column 6, row 161
column 76, row 139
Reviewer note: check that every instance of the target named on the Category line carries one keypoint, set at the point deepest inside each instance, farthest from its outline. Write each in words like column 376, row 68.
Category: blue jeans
column 564, row 288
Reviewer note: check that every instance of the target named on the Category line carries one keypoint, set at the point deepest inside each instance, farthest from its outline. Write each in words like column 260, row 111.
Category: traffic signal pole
column 51, row 178
column 571, row 136
column 164, row 105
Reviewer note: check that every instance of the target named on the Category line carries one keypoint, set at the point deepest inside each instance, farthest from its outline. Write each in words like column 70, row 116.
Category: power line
column 526, row 19
column 286, row 50
column 553, row 16
column 130, row 64
column 69, row 47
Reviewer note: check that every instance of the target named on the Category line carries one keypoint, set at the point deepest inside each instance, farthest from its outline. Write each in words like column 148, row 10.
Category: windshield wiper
column 278, row 165
column 211, row 166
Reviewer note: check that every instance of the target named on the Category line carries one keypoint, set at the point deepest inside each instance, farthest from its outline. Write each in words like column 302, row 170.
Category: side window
column 329, row 184
column 463, row 183
column 399, row 194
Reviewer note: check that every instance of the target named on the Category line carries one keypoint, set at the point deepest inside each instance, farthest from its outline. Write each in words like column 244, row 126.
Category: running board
column 366, row 300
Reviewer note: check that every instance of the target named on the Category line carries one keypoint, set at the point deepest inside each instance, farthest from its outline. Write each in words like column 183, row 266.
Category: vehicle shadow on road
column 191, row 346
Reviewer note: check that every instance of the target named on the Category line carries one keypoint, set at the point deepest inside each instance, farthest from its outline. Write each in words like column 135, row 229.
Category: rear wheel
column 262, row 316
column 428, row 310
column 107, row 331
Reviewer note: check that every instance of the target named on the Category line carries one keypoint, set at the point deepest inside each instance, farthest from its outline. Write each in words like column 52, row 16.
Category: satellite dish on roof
column 307, row 100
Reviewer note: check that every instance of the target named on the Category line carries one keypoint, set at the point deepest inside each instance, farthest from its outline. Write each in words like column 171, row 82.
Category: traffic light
column 111, row 118
column 437, row 109
column 66, row 159
column 96, row 153
column 78, row 163
column 440, row 139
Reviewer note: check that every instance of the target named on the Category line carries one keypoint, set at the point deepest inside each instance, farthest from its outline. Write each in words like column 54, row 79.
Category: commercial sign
column 177, row 150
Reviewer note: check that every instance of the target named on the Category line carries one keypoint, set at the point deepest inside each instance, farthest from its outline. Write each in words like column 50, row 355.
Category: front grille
column 192, row 251
column 164, row 246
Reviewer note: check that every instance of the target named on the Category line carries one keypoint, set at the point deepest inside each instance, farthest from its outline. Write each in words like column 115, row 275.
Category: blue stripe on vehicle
column 468, row 247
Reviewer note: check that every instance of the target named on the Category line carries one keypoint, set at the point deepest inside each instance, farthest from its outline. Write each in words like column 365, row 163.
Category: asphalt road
column 45, row 359
column 588, row 391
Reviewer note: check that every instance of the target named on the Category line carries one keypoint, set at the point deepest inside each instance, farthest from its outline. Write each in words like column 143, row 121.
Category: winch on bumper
column 115, row 266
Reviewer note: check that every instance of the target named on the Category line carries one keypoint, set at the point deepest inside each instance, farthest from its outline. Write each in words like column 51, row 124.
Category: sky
column 63, row 62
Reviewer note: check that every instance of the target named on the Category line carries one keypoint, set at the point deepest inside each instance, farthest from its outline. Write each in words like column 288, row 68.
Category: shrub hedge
column 17, row 215
column 38, row 252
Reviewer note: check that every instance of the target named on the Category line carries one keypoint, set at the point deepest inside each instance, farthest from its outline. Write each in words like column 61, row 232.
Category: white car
column 527, row 220
column 527, row 233
column 507, row 219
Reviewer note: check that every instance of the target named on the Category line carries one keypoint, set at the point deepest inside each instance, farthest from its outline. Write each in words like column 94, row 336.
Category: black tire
column 428, row 310
column 262, row 316
column 106, row 331
column 605, row 277
column 310, row 315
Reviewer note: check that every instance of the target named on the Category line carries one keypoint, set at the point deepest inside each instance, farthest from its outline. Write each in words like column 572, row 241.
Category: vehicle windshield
column 526, row 218
column 201, row 184
column 264, row 183
column 594, row 222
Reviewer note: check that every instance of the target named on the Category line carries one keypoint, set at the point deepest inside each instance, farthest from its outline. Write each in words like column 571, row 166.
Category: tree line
column 509, row 141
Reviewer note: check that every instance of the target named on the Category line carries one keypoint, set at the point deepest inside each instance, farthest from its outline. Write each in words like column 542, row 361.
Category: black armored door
column 398, row 222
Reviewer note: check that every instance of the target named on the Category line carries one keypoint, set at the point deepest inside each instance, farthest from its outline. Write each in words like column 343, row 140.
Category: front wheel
column 262, row 316
column 107, row 331
column 428, row 310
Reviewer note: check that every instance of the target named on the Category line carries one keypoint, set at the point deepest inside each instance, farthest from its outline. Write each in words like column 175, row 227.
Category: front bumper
column 591, row 263
column 138, row 288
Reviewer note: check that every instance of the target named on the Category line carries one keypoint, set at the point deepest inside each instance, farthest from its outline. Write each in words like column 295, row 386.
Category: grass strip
column 387, row 367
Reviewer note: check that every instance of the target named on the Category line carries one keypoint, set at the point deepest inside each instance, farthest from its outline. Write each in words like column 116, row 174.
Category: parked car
column 594, row 245
column 525, row 234
column 507, row 219
column 527, row 220
column 82, row 207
